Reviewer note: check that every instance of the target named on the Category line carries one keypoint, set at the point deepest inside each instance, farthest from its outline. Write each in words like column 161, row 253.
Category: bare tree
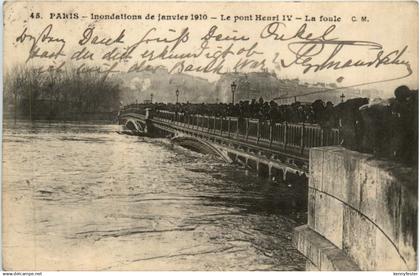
column 35, row 94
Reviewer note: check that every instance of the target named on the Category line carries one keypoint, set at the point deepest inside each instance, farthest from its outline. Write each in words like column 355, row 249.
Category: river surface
column 80, row 196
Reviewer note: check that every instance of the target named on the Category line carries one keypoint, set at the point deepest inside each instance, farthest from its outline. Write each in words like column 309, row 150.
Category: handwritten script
column 211, row 51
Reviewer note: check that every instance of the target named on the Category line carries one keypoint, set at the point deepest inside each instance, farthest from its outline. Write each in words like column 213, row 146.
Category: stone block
column 321, row 253
column 366, row 207
column 407, row 239
column 333, row 259
column 306, row 244
column 316, row 161
column 312, row 211
column 369, row 183
column 352, row 180
column 329, row 218
column 388, row 205
column 333, row 178
column 387, row 257
column 359, row 238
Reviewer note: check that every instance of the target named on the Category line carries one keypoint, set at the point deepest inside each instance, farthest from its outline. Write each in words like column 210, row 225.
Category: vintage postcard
column 210, row 136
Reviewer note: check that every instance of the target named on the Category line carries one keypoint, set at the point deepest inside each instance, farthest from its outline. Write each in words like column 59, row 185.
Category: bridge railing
column 297, row 137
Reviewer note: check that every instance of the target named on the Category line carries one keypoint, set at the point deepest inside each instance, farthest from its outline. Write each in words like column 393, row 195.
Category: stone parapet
column 366, row 208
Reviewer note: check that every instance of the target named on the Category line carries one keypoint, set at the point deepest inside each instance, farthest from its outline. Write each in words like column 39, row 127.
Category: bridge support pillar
column 148, row 113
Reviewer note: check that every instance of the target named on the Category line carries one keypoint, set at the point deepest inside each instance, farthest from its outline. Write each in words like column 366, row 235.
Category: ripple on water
column 127, row 203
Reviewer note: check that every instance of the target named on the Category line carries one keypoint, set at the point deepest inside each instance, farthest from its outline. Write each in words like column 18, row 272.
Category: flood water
column 79, row 196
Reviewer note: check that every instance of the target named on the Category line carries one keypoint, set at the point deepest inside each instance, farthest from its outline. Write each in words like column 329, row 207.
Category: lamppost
column 151, row 98
column 233, row 88
column 248, row 88
column 177, row 94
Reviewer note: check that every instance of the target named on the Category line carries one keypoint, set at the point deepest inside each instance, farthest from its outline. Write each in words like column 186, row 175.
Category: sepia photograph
column 210, row 136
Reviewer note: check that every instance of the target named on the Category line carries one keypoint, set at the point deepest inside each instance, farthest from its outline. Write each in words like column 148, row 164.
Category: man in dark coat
column 349, row 122
column 376, row 126
column 405, row 124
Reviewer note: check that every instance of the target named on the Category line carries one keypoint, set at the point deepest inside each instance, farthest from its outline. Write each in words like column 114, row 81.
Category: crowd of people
column 315, row 113
column 386, row 128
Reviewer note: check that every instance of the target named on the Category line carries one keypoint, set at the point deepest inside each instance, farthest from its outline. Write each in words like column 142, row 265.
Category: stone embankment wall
column 362, row 213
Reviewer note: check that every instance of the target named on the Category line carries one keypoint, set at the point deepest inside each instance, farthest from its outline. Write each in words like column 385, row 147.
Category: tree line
column 56, row 95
